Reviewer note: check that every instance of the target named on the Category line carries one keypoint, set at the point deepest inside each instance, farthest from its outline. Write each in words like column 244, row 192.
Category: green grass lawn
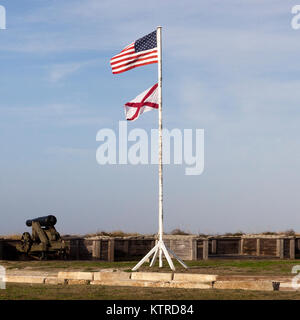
column 89, row 292
column 59, row 264
column 245, row 267
column 216, row 266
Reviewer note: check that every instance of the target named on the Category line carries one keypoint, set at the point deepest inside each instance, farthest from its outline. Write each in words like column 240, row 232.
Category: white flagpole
column 160, row 169
column 160, row 248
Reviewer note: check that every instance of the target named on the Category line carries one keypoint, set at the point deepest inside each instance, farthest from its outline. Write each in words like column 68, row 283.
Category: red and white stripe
column 128, row 59
column 144, row 102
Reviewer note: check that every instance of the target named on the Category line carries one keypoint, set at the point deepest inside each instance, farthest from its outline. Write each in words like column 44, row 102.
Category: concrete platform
column 245, row 285
column 75, row 275
column 55, row 280
column 24, row 279
column 111, row 276
column 70, row 282
column 154, row 279
column 194, row 277
column 152, row 276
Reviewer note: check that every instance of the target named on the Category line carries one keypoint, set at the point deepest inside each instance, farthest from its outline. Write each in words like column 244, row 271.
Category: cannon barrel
column 47, row 221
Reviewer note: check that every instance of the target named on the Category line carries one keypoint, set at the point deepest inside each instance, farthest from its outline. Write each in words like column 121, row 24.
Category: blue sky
column 231, row 68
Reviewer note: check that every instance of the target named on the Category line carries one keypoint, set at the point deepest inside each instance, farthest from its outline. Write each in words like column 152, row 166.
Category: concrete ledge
column 76, row 275
column 71, row 282
column 111, row 276
column 154, row 284
column 151, row 276
column 154, row 279
column 133, row 283
column 191, row 285
column 244, row 285
column 55, row 280
column 193, row 277
column 254, row 278
column 287, row 286
column 24, row 279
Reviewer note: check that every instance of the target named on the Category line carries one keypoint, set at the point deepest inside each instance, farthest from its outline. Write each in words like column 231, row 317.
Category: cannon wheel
column 26, row 242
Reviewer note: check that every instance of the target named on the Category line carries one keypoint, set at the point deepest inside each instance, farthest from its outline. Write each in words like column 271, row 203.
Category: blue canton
column 145, row 43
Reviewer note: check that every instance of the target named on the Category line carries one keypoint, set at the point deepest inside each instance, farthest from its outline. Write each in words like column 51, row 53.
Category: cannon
column 44, row 240
column 47, row 221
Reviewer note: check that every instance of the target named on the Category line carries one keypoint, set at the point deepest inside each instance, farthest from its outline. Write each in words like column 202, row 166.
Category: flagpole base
column 160, row 249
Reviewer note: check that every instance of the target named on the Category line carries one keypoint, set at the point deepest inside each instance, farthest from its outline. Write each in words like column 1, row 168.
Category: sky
column 230, row 67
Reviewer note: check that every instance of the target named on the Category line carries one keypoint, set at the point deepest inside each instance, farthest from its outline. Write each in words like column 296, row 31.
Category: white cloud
column 265, row 109
column 58, row 114
column 108, row 24
column 58, row 72
column 69, row 151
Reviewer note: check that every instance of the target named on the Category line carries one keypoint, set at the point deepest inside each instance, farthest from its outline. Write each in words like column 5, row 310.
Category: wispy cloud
column 262, row 109
column 109, row 23
column 58, row 72
column 59, row 114
column 69, row 151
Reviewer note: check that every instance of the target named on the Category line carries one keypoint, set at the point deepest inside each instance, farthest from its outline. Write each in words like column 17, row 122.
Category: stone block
column 55, row 280
column 24, row 279
column 193, row 277
column 72, row 282
column 151, row 276
column 245, row 285
column 191, row 285
column 111, row 276
column 76, row 275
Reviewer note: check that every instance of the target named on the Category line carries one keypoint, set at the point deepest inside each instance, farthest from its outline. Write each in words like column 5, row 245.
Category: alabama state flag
column 146, row 101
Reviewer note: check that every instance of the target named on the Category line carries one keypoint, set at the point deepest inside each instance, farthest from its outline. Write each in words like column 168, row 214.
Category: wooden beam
column 194, row 249
column 292, row 249
column 1, row 249
column 214, row 246
column 281, row 249
column 77, row 249
column 241, row 248
column 258, row 247
column 96, row 249
column 205, row 249
column 111, row 250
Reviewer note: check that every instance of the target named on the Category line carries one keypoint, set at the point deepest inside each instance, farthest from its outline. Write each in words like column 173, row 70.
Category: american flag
column 139, row 53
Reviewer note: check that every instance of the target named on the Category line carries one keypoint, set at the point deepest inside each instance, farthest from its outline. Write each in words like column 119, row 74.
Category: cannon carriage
column 44, row 241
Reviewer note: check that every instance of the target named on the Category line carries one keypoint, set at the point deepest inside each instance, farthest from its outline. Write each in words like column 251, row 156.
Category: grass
column 54, row 264
column 216, row 266
column 116, row 233
column 88, row 292
column 232, row 267
column 12, row 237
column 244, row 267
